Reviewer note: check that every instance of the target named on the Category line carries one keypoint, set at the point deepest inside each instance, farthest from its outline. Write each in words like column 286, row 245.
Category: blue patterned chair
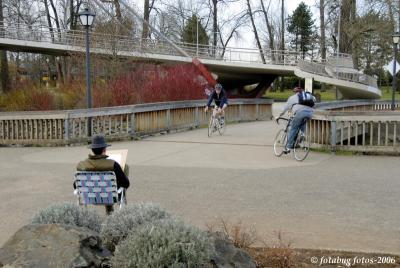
column 98, row 188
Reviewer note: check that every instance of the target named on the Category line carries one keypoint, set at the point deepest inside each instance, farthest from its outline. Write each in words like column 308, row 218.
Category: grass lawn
column 387, row 94
column 328, row 95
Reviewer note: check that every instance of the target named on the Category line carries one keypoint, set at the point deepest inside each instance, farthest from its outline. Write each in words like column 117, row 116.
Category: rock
column 228, row 256
column 53, row 245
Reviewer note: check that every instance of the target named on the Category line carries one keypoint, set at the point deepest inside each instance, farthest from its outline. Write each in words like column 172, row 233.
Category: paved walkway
column 335, row 202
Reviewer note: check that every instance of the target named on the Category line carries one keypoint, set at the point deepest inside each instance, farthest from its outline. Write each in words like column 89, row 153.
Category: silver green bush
column 68, row 214
column 122, row 222
column 167, row 243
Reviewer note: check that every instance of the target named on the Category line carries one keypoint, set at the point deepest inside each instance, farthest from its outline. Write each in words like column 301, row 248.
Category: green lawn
column 328, row 95
column 387, row 93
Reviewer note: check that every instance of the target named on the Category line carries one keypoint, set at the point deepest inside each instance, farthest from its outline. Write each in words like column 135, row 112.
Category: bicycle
column 215, row 123
column 301, row 145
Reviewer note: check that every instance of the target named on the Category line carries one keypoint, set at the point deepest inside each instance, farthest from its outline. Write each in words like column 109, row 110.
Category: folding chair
column 98, row 188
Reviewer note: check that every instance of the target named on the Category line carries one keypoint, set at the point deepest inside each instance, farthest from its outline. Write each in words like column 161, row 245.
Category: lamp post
column 86, row 17
column 396, row 38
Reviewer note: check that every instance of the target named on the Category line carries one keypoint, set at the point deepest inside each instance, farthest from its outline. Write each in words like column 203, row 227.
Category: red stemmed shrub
column 152, row 83
column 143, row 83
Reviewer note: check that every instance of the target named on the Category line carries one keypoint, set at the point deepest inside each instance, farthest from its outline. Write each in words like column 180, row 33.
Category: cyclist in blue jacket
column 220, row 99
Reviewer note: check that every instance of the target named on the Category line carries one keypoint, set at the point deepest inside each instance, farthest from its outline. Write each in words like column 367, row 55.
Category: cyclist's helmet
column 218, row 87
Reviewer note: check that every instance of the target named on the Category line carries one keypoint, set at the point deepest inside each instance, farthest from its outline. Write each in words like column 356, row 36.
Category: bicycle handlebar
column 281, row 118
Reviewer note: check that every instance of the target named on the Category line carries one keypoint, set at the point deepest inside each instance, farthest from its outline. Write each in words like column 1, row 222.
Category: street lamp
column 396, row 38
column 86, row 17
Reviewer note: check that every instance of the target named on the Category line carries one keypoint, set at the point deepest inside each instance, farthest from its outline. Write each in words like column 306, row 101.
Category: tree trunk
column 348, row 16
column 5, row 77
column 269, row 29
column 397, row 29
column 57, row 63
column 46, row 7
column 57, row 21
column 391, row 18
column 354, row 47
column 282, row 38
column 283, row 26
column 215, row 26
column 146, row 17
column 322, row 28
column 118, row 10
column 255, row 32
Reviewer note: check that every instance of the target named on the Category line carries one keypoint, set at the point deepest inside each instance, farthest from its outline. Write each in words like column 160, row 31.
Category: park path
column 328, row 201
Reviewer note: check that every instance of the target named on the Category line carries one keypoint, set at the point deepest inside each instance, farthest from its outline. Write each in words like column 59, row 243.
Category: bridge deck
column 328, row 201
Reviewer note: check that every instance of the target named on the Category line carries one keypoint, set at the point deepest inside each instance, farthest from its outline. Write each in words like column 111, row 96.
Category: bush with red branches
column 27, row 99
column 146, row 83
column 152, row 83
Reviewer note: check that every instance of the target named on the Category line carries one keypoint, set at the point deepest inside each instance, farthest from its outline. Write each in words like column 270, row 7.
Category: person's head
column 297, row 89
column 98, row 145
column 218, row 88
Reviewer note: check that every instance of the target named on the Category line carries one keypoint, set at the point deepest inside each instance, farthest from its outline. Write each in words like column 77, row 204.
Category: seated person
column 99, row 162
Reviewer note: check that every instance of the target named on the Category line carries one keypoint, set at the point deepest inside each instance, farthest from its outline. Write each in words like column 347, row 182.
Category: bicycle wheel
column 280, row 142
column 221, row 127
column 211, row 126
column 301, row 147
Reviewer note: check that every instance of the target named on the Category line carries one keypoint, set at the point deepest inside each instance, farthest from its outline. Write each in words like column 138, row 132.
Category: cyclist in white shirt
column 301, row 104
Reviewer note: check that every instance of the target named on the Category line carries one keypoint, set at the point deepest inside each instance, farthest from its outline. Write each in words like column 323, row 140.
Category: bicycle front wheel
column 280, row 142
column 301, row 147
column 211, row 126
column 222, row 127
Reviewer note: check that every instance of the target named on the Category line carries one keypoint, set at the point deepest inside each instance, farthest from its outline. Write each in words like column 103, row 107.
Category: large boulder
column 53, row 245
column 228, row 256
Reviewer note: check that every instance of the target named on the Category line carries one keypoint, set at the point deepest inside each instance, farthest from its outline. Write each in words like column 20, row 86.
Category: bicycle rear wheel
column 280, row 142
column 301, row 147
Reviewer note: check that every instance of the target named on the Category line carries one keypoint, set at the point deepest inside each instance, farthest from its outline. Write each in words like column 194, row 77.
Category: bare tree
column 146, row 16
column 49, row 22
column 282, row 25
column 269, row 25
column 215, row 14
column 282, row 38
column 215, row 23
column 231, row 29
column 322, row 28
column 5, row 78
column 118, row 12
column 250, row 13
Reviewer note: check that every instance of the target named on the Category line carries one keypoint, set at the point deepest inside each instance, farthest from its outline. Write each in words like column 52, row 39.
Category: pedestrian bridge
column 234, row 66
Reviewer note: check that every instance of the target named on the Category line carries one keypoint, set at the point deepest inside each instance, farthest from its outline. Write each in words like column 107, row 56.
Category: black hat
column 98, row 142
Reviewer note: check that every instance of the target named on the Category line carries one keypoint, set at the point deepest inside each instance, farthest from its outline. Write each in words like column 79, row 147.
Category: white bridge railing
column 319, row 69
column 116, row 43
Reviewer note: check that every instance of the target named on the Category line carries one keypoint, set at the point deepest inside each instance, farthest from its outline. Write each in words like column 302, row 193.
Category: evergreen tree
column 189, row 34
column 300, row 25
